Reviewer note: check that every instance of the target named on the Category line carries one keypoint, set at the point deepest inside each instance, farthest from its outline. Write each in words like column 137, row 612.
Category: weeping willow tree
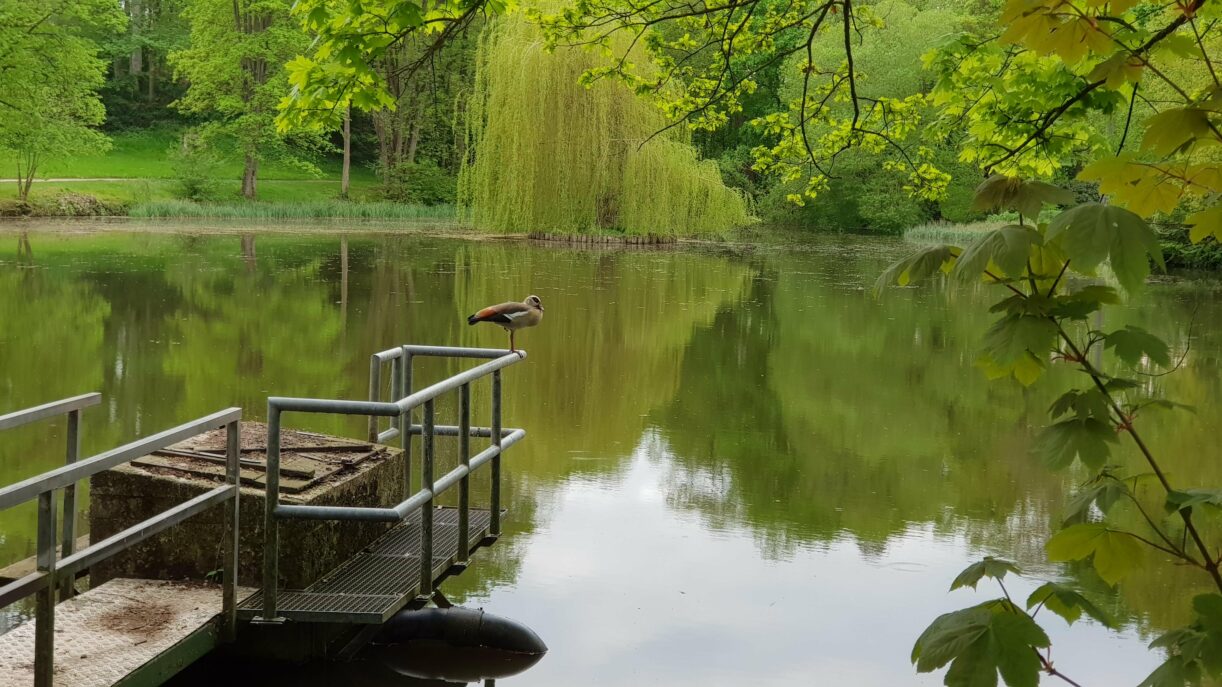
column 547, row 154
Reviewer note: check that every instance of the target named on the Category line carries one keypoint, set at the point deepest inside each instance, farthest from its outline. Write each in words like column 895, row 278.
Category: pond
column 740, row 467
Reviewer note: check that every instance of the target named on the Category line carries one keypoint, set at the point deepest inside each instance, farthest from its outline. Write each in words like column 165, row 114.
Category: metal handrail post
column 405, row 424
column 464, row 484
column 44, row 614
column 271, row 526
column 229, row 567
column 494, row 525
column 69, row 540
column 375, row 393
column 426, row 512
column 396, row 390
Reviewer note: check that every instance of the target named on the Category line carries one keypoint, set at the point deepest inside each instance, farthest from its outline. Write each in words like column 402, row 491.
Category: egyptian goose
column 512, row 316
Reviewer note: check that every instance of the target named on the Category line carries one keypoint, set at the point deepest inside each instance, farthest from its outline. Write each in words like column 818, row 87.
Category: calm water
column 740, row 468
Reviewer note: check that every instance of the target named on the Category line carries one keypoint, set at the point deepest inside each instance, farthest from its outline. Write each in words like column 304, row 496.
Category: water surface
column 740, row 467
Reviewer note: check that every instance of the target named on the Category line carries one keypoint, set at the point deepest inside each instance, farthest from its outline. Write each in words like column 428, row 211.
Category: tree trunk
column 152, row 77
column 413, row 141
column 343, row 179
column 248, row 252
column 136, row 59
column 379, row 128
column 250, row 177
column 25, row 177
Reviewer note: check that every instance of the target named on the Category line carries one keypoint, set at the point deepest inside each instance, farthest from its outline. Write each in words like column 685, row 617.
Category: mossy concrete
column 192, row 550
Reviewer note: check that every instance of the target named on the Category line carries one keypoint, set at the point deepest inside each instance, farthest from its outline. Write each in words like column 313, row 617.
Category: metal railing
column 400, row 411
column 49, row 571
column 71, row 407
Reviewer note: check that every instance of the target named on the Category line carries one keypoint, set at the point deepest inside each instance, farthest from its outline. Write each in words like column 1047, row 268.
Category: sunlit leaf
column 1205, row 223
column 1000, row 192
column 1115, row 554
column 920, row 265
column 1066, row 603
column 1174, row 129
column 1133, row 343
column 1092, row 232
column 1117, row 70
column 994, row 568
column 1008, row 247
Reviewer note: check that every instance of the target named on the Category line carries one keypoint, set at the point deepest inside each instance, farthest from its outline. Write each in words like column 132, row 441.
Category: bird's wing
column 505, row 312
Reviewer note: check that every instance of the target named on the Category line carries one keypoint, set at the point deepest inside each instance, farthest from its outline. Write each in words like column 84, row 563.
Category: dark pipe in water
column 460, row 644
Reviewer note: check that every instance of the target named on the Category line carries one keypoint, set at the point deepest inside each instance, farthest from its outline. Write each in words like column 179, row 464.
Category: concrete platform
column 128, row 632
column 327, row 471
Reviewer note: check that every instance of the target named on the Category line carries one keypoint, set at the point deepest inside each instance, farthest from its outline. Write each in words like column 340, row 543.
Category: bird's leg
column 511, row 347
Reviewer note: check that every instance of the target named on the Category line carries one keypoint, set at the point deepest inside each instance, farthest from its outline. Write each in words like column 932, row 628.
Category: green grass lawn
column 145, row 154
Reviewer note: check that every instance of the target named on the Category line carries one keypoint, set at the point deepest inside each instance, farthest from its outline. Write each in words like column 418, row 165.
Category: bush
column 1181, row 253
column 70, row 204
column 196, row 171
column 419, row 183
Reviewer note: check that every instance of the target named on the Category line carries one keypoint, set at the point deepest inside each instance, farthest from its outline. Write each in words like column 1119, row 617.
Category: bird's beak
column 540, row 307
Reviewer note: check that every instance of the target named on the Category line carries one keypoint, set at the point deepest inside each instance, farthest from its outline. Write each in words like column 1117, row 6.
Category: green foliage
column 1114, row 554
column 234, row 66
column 1188, row 498
column 271, row 211
column 1132, row 344
column 920, row 265
column 196, row 172
column 1092, row 232
column 420, row 183
column 1007, row 248
column 1066, row 603
column 1086, row 439
column 1195, row 650
column 994, row 568
column 1000, row 192
column 552, row 156
column 979, row 643
column 49, row 106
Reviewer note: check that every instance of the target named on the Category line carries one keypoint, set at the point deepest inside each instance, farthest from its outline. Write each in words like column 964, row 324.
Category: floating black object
column 457, row 644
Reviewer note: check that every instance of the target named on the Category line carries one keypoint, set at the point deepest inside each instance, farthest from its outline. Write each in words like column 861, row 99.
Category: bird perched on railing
column 511, row 316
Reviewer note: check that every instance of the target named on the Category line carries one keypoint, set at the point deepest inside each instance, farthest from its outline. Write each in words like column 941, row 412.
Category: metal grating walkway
column 373, row 585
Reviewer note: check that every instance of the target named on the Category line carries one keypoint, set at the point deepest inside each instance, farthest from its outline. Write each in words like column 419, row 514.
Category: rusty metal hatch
column 306, row 460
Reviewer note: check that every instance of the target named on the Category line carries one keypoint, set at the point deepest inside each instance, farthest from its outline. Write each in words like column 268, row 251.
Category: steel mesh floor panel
column 372, row 574
column 374, row 584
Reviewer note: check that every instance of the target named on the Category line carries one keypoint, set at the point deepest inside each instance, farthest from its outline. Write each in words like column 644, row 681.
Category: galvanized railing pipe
column 494, row 525
column 50, row 568
column 464, row 485
column 59, row 478
column 426, row 515
column 405, row 421
column 451, row 383
column 44, row 609
column 400, row 410
column 69, row 532
column 456, row 475
column 233, row 522
column 454, row 430
column 46, row 410
column 271, row 526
